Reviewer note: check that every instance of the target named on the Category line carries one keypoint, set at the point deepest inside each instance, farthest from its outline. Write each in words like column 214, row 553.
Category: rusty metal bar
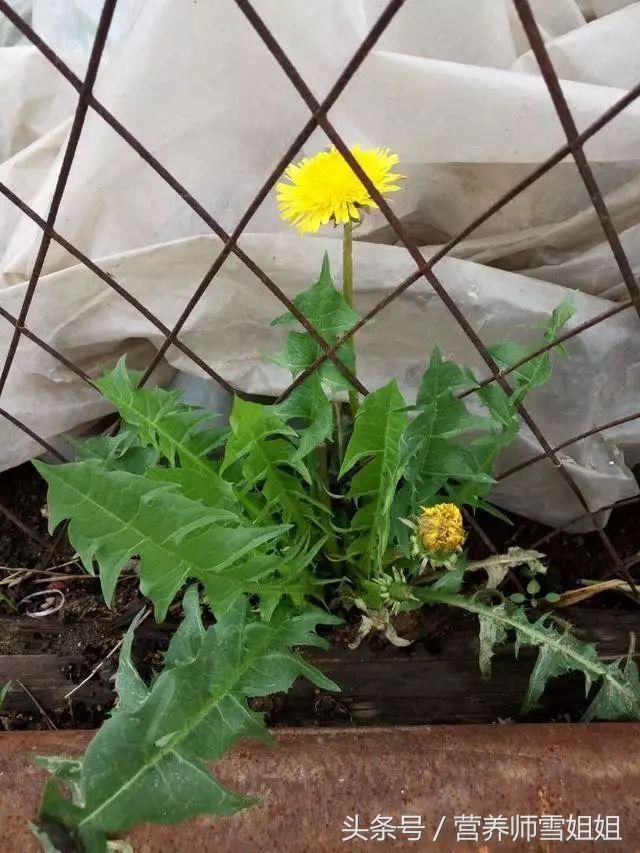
column 305, row 93
column 99, row 43
column 317, row 779
column 567, row 121
column 360, row 55
column 34, row 435
column 113, row 284
column 182, row 191
column 45, row 346
column 556, row 530
column 567, row 443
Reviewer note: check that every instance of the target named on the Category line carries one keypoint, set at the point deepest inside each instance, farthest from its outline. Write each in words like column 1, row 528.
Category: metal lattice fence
column 425, row 267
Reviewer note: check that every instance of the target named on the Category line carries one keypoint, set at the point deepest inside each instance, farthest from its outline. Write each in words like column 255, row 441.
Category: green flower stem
column 347, row 292
column 254, row 512
column 337, row 408
column 323, row 495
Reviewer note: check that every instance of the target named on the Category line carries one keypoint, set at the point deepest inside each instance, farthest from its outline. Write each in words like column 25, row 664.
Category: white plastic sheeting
column 451, row 87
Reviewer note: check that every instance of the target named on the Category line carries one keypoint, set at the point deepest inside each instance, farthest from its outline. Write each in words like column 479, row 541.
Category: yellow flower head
column 324, row 187
column 440, row 528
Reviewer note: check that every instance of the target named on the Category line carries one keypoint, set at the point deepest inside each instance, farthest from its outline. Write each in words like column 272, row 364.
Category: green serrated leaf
column 121, row 452
column 222, row 590
column 309, row 403
column 130, row 687
column 559, row 652
column 260, row 443
column 251, row 423
column 68, row 770
column 187, row 640
column 442, row 377
column 272, row 578
column 174, row 429
column 195, row 711
column 208, row 489
column 114, row 516
column 327, row 310
column 537, row 371
column 492, row 632
column 619, row 695
column 376, row 442
column 483, row 450
column 433, row 459
column 324, row 306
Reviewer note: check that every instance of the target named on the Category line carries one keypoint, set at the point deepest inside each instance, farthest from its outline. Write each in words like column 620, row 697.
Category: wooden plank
column 440, row 682
column 435, row 680
column 49, row 678
column 51, row 660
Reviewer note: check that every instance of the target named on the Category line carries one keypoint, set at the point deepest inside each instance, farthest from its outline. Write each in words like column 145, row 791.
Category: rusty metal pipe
column 316, row 778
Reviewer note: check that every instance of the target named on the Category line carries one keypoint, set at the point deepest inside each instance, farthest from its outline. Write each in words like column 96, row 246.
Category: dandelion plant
column 259, row 525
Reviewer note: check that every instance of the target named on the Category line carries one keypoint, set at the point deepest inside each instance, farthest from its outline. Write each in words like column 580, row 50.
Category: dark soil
column 84, row 631
column 23, row 500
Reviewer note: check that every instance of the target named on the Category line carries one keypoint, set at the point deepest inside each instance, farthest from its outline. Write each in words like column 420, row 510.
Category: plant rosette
column 293, row 505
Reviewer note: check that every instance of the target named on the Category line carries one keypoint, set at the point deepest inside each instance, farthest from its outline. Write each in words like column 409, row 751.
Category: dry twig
column 45, row 716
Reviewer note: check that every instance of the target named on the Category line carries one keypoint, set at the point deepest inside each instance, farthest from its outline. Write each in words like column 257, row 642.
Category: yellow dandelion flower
column 324, row 188
column 440, row 528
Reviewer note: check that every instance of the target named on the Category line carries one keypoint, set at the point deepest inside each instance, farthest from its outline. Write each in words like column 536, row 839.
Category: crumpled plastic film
column 451, row 86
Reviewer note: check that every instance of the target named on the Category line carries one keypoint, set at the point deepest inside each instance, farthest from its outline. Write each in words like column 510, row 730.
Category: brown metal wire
column 99, row 43
column 536, row 41
column 111, row 281
column 184, row 193
column 573, row 440
column 605, row 508
column 45, row 346
column 608, row 116
column 363, row 51
column 305, row 93
column 424, row 266
column 34, row 435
